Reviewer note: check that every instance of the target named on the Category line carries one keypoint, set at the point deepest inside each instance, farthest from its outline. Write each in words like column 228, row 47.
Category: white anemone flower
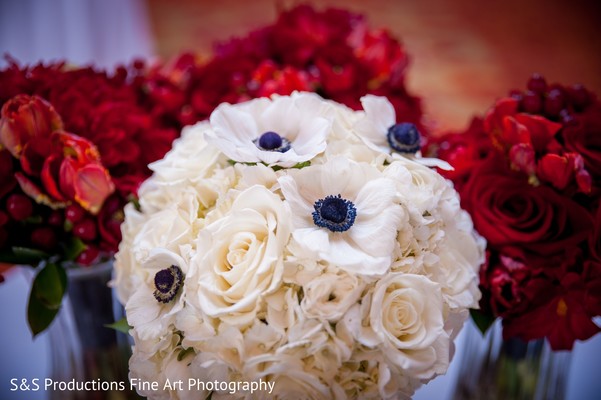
column 344, row 213
column 380, row 132
column 282, row 131
column 154, row 304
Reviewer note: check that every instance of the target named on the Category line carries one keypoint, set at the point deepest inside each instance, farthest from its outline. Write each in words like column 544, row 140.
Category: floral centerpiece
column 74, row 146
column 332, row 52
column 293, row 242
column 529, row 173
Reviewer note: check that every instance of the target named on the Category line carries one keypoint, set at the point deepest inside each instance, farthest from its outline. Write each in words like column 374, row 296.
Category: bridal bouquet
column 529, row 173
column 332, row 52
column 294, row 242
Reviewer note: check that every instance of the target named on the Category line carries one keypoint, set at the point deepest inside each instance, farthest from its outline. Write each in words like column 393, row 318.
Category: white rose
column 331, row 294
column 405, row 320
column 240, row 257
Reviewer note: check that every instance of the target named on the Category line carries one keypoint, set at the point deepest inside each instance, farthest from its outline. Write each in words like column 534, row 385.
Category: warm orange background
column 465, row 53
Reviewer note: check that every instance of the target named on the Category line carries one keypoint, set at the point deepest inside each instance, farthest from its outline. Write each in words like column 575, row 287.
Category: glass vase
column 82, row 348
column 497, row 369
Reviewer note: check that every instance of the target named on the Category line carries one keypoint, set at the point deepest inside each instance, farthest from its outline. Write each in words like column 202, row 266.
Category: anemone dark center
column 167, row 283
column 272, row 141
column 333, row 209
column 404, row 137
column 334, row 213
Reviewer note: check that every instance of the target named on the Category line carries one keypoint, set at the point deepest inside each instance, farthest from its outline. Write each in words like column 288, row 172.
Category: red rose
column 109, row 223
column 502, row 281
column 521, row 220
column 558, row 312
column 584, row 137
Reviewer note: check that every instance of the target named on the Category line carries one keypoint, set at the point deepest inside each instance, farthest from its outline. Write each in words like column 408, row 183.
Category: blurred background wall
column 465, row 53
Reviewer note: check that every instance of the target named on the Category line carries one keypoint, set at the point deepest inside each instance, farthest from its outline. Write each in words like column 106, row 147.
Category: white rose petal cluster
column 282, row 241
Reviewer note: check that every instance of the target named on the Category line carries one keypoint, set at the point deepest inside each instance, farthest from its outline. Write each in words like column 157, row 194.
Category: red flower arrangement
column 529, row 173
column 74, row 147
column 331, row 52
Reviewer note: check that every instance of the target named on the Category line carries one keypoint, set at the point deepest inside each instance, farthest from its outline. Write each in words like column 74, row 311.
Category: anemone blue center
column 404, row 137
column 272, row 141
column 167, row 283
column 334, row 213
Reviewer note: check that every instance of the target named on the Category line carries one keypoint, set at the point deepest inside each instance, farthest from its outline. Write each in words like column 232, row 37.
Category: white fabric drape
column 83, row 32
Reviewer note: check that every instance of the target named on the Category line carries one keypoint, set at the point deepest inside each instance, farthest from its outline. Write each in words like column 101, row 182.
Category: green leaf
column 74, row 247
column 482, row 321
column 299, row 165
column 120, row 326
column 22, row 255
column 47, row 291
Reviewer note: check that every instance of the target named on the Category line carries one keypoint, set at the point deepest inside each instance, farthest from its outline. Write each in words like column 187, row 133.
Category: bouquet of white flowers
column 295, row 243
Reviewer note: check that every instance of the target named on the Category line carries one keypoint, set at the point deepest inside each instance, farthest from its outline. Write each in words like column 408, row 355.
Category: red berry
column 55, row 218
column 19, row 207
column 537, row 84
column 88, row 256
column 44, row 238
column 579, row 96
column 85, row 229
column 554, row 102
column 566, row 117
column 74, row 213
column 532, row 102
column 138, row 64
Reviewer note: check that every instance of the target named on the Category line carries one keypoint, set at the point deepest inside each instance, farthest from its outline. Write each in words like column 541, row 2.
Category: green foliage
column 47, row 291
column 120, row 326
column 482, row 321
column 22, row 256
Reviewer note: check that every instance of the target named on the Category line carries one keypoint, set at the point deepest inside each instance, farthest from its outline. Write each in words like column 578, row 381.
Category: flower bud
column 24, row 118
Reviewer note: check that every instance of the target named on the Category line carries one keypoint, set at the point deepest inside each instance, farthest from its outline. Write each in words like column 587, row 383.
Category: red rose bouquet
column 74, row 146
column 529, row 173
column 331, row 52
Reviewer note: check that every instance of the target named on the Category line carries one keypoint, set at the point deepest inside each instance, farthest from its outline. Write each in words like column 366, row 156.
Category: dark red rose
column 521, row 220
column 109, row 223
column 558, row 312
column 584, row 138
column 503, row 280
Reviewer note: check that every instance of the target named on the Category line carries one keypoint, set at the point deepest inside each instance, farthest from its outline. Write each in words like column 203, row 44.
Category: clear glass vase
column 497, row 369
column 82, row 348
